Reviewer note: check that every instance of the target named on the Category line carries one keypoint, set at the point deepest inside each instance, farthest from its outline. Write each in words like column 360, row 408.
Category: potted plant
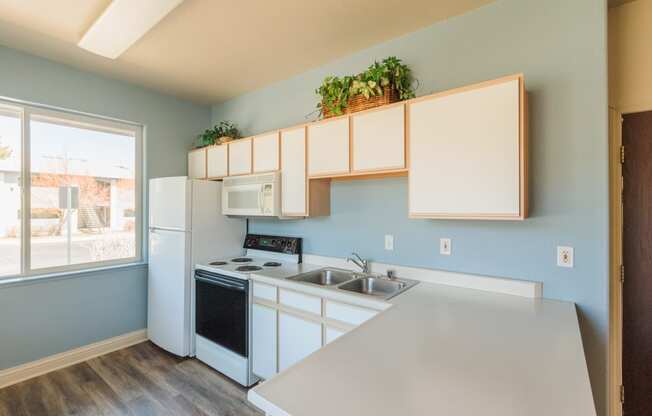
column 221, row 133
column 382, row 83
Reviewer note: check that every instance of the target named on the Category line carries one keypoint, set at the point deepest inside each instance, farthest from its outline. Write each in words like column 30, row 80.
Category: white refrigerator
column 186, row 227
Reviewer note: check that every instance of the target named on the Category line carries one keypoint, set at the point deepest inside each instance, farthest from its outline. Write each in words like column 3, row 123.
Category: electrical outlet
column 389, row 242
column 564, row 256
column 445, row 246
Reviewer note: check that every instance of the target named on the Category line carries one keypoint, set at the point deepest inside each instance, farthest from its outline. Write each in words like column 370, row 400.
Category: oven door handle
column 220, row 283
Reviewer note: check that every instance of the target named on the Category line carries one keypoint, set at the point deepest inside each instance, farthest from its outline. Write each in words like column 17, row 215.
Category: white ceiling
column 211, row 50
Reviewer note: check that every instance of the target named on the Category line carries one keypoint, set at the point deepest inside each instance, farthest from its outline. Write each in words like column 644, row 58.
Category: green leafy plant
column 335, row 92
column 223, row 129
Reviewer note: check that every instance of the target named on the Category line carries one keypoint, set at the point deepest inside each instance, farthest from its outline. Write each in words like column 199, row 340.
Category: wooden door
column 637, row 258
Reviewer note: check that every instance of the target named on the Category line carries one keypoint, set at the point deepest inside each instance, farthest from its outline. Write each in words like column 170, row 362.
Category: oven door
column 222, row 310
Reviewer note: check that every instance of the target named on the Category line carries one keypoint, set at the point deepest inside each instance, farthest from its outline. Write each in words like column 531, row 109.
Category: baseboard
column 54, row 362
column 503, row 285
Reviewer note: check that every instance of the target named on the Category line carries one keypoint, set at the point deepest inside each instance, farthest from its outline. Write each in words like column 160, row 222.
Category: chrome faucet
column 359, row 261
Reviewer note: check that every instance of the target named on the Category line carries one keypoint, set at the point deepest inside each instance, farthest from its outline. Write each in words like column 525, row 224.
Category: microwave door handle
column 261, row 199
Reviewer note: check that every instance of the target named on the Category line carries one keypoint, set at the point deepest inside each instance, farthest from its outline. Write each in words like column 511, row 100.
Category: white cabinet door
column 467, row 153
column 328, row 147
column 197, row 164
column 266, row 153
column 240, row 157
column 293, row 172
column 264, row 341
column 298, row 338
column 217, row 161
column 378, row 139
column 332, row 334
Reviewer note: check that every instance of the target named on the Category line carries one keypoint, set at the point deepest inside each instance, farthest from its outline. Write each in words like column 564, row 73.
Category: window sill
column 28, row 280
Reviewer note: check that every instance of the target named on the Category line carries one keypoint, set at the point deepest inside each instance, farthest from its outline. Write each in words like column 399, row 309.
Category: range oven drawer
column 222, row 310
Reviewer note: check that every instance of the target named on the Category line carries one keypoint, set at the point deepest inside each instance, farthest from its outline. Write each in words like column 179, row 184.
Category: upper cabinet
column 240, row 155
column 378, row 139
column 217, row 160
column 197, row 164
column 467, row 152
column 328, row 147
column 294, row 183
column 464, row 152
column 300, row 197
column 266, row 152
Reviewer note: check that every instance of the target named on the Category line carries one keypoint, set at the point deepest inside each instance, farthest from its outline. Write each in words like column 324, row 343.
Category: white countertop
column 442, row 350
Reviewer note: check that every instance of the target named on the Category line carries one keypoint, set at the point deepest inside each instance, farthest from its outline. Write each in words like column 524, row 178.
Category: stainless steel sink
column 376, row 286
column 325, row 277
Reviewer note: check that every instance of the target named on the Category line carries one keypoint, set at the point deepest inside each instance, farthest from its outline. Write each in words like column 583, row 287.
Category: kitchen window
column 80, row 179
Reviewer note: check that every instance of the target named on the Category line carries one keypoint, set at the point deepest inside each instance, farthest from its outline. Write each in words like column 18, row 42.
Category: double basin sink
column 364, row 284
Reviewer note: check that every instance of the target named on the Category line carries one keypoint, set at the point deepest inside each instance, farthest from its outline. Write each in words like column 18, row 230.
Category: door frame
column 615, row 369
column 615, row 365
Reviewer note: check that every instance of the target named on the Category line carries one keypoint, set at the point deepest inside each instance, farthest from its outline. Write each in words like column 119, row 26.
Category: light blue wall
column 44, row 318
column 560, row 46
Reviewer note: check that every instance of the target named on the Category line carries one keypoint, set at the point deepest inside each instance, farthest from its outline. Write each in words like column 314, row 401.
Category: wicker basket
column 359, row 102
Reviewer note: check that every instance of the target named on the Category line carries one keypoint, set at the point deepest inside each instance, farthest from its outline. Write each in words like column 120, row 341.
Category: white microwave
column 252, row 195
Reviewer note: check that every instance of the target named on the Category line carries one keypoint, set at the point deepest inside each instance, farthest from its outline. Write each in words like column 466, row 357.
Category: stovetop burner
column 241, row 260
column 248, row 268
column 272, row 264
column 218, row 263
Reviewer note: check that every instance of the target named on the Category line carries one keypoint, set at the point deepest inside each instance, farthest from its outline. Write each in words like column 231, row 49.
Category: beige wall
column 630, row 56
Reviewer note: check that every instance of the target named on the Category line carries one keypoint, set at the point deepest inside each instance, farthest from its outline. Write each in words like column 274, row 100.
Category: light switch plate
column 565, row 256
column 389, row 242
column 445, row 246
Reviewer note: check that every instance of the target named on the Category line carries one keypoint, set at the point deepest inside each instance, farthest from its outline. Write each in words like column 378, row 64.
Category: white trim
column 54, row 362
column 515, row 287
column 70, row 274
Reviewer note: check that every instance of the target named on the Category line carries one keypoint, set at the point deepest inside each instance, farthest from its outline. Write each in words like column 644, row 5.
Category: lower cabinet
column 288, row 325
column 332, row 334
column 297, row 338
column 264, row 341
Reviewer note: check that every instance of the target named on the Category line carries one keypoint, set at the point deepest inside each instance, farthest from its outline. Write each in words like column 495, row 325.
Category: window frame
column 80, row 120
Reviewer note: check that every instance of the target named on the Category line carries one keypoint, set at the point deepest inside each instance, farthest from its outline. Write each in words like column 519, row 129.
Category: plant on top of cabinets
column 221, row 133
column 209, row 160
column 381, row 83
column 468, row 152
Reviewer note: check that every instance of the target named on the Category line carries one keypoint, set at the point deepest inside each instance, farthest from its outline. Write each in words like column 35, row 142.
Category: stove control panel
column 277, row 244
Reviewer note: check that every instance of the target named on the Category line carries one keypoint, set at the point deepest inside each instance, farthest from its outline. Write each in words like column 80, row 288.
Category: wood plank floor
column 140, row 380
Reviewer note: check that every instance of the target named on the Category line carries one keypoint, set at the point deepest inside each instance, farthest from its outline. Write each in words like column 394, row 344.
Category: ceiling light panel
column 122, row 23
